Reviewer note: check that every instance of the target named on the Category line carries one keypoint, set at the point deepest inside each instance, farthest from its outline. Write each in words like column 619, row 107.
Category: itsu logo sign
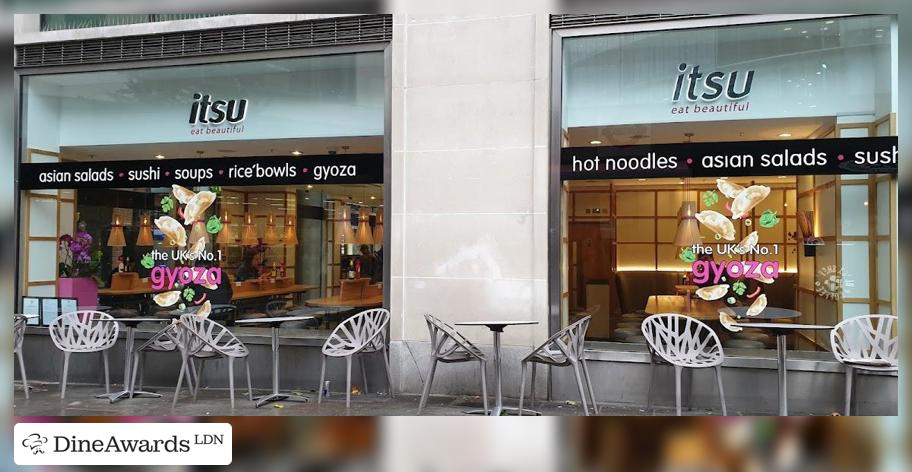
column 697, row 86
column 215, row 113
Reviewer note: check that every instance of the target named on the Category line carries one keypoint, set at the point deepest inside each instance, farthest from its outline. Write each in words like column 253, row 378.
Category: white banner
column 122, row 444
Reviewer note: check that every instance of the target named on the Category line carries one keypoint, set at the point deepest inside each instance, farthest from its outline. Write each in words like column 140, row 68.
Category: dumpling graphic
column 728, row 321
column 183, row 194
column 728, row 189
column 197, row 248
column 209, row 285
column 167, row 298
column 173, row 230
column 748, row 199
column 758, row 306
column 718, row 223
column 748, row 242
column 197, row 232
column 197, row 206
column 713, row 292
column 764, row 279
column 204, row 310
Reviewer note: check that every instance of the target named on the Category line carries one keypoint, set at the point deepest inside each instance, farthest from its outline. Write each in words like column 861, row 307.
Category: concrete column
column 470, row 104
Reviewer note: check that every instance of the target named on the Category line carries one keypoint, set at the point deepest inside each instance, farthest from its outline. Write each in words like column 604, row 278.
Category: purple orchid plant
column 78, row 258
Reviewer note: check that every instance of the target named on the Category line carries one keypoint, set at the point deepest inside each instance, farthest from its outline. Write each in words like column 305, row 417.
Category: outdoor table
column 497, row 328
column 274, row 323
column 781, row 330
column 130, row 324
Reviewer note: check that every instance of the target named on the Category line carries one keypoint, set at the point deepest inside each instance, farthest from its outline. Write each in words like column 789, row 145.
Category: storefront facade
column 468, row 156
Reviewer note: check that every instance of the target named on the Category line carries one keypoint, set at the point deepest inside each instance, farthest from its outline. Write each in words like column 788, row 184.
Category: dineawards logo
column 122, row 444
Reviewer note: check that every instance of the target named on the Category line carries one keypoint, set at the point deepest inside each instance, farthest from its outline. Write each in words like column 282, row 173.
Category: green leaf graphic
column 768, row 219
column 710, row 198
column 147, row 261
column 687, row 255
column 167, row 204
column 189, row 293
column 213, row 225
column 739, row 287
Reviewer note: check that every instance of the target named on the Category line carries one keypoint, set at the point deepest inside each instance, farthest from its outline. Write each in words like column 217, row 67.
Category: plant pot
column 810, row 250
column 83, row 289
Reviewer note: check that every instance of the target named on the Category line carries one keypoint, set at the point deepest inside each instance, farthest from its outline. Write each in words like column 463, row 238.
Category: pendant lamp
column 271, row 237
column 224, row 236
column 116, row 237
column 378, row 227
column 249, row 236
column 344, row 233
column 291, row 236
column 364, row 235
column 144, row 238
column 688, row 232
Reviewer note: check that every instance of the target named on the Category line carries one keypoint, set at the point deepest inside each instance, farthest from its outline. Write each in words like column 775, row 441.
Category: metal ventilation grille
column 570, row 21
column 266, row 37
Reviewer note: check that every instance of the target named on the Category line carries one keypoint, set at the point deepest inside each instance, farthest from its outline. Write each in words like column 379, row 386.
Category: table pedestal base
column 113, row 397
column 277, row 397
column 503, row 411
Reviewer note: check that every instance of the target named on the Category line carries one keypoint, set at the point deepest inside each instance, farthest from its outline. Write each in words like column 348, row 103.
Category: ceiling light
column 295, row 153
column 788, row 28
column 879, row 30
column 818, row 72
column 595, row 141
column 373, row 197
column 360, row 203
column 310, row 186
column 804, row 32
column 781, row 176
column 830, row 22
column 159, row 156
column 823, row 64
column 785, row 135
column 641, row 180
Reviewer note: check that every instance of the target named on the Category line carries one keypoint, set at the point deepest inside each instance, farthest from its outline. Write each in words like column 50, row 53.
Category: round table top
column 495, row 323
column 136, row 321
column 785, row 326
column 178, row 312
column 769, row 313
column 273, row 319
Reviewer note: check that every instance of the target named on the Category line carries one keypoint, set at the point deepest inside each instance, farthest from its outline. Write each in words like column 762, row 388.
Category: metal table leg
column 783, row 374
column 499, row 409
column 128, row 366
column 276, row 395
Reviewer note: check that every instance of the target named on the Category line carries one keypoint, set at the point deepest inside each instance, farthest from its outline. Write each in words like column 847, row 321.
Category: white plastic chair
column 684, row 342
column 364, row 333
column 19, row 323
column 205, row 339
column 83, row 331
column 868, row 342
column 564, row 348
column 450, row 347
column 165, row 340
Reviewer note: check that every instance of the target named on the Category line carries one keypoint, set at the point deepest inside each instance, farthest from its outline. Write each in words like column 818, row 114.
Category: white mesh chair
column 450, row 347
column 364, row 333
column 869, row 342
column 203, row 338
column 164, row 341
column 564, row 348
column 684, row 342
column 19, row 323
column 83, row 331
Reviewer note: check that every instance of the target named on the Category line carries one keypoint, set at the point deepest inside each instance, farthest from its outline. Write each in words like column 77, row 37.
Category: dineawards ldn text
column 115, row 445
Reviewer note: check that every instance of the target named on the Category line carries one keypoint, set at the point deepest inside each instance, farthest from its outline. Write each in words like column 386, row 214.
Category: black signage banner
column 877, row 155
column 235, row 171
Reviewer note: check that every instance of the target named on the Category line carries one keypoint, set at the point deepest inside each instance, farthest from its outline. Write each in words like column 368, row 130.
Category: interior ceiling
column 226, row 148
column 701, row 131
